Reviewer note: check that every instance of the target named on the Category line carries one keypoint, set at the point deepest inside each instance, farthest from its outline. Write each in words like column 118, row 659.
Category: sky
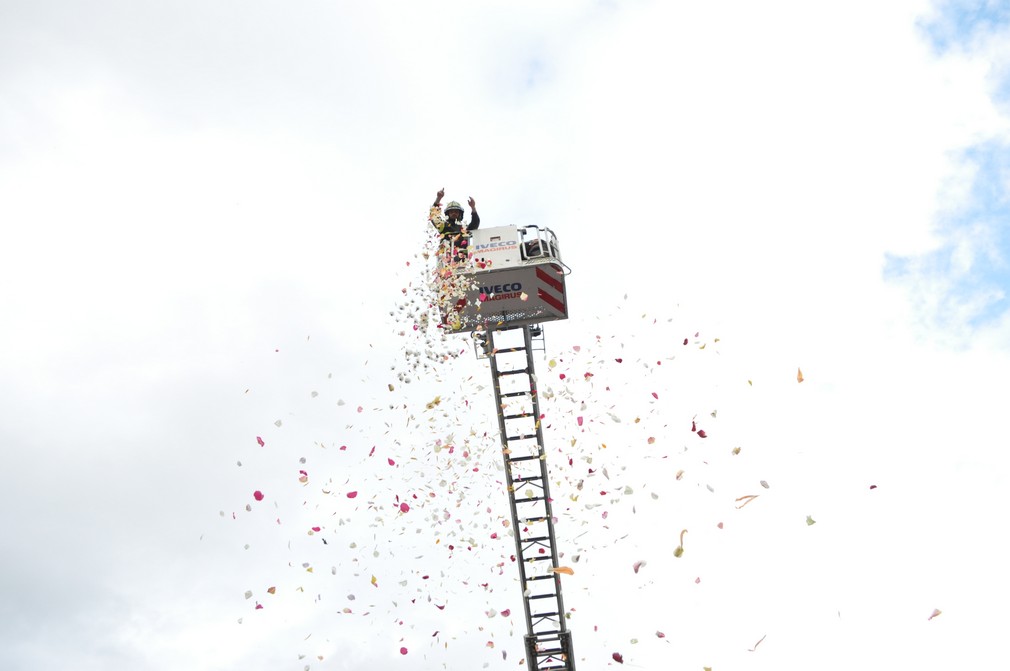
column 213, row 218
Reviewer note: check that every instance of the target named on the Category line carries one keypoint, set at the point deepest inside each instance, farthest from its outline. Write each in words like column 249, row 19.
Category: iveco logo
column 495, row 245
column 502, row 288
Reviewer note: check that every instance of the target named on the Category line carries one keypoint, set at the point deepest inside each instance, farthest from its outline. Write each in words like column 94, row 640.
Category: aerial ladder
column 512, row 282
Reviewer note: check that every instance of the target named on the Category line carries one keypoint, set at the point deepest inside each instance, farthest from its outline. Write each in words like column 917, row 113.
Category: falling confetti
column 799, row 375
column 258, row 495
column 679, row 551
column 746, row 499
column 936, row 611
column 447, row 454
column 811, row 521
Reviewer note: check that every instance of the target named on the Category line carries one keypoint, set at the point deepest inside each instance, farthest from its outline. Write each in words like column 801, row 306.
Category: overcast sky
column 212, row 219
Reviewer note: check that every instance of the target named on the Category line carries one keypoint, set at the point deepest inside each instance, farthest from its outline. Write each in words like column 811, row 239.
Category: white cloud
column 184, row 192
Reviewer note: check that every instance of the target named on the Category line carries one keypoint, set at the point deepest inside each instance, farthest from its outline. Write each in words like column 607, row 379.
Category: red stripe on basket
column 551, row 300
column 553, row 281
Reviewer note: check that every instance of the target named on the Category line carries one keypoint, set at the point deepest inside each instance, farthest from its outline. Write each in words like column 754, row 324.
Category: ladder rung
column 506, row 350
column 524, row 436
column 527, row 458
column 514, row 393
column 534, row 520
column 528, row 478
column 547, row 633
column 537, row 539
column 530, row 499
column 543, row 615
column 541, row 558
column 542, row 596
column 550, row 652
column 521, row 414
column 502, row 373
column 540, row 577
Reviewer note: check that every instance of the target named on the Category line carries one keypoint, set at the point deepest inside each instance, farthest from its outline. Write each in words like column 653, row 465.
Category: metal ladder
column 548, row 641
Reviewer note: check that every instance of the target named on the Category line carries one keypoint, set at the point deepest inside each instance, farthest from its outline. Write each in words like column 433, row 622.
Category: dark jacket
column 455, row 228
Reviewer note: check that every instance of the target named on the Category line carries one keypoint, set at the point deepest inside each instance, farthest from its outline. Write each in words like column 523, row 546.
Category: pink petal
column 351, row 495
column 404, row 507
column 260, row 441
column 258, row 495
column 403, row 651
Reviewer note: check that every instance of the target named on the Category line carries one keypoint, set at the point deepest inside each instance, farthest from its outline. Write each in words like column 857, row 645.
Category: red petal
column 618, row 658
column 351, row 495
column 260, row 441
column 258, row 495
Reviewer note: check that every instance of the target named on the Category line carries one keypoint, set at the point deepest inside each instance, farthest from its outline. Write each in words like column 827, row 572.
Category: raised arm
column 438, row 197
column 474, row 217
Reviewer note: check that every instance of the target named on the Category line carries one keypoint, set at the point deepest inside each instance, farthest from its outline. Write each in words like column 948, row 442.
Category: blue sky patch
column 965, row 281
column 958, row 22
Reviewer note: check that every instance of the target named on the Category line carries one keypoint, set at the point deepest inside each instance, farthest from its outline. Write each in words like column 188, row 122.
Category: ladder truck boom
column 513, row 281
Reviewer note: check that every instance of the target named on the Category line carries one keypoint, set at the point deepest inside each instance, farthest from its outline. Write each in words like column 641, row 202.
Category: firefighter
column 451, row 225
